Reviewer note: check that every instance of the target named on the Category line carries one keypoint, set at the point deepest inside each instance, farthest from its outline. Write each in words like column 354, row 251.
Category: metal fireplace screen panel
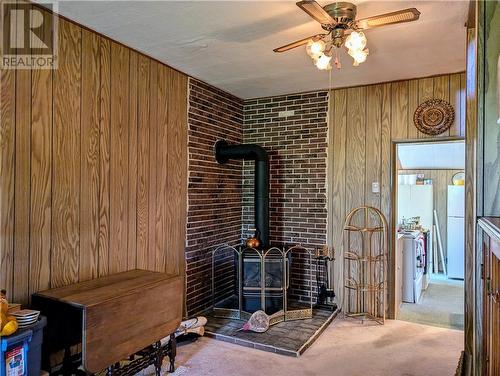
column 224, row 279
column 262, row 280
column 274, row 275
column 252, row 273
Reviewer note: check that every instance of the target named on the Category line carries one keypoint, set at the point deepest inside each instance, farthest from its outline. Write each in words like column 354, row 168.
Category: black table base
column 152, row 355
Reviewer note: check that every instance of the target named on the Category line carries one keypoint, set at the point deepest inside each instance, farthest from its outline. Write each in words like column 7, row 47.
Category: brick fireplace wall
column 220, row 197
column 293, row 129
column 297, row 147
column 214, row 191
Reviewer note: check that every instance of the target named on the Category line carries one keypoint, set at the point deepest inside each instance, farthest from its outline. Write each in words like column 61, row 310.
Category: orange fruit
column 9, row 328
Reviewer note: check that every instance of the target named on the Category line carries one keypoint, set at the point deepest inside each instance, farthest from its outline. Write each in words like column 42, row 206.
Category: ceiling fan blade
column 315, row 10
column 404, row 15
column 298, row 43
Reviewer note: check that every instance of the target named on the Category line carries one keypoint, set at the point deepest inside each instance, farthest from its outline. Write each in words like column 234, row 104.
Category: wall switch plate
column 375, row 187
column 286, row 113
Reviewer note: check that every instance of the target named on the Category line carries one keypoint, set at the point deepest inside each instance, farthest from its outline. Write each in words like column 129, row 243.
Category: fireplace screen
column 261, row 282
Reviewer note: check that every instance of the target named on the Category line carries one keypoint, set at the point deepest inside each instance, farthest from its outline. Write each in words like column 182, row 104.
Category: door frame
column 393, row 307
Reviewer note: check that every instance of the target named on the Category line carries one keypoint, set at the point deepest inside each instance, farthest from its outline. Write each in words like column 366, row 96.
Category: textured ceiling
column 229, row 43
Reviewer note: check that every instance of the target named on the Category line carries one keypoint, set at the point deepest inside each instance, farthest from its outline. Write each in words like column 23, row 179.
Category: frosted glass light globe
column 356, row 41
column 315, row 49
column 323, row 62
column 359, row 56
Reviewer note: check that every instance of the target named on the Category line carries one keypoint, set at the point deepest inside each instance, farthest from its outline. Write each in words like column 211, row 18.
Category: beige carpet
column 441, row 304
column 346, row 348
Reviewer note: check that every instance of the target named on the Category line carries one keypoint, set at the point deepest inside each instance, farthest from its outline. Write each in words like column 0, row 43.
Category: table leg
column 158, row 358
column 173, row 352
column 109, row 371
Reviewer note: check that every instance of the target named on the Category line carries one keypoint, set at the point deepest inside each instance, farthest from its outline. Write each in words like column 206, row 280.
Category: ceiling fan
column 342, row 28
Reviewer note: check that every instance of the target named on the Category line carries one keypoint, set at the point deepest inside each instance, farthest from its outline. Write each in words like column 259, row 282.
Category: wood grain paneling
column 355, row 148
column 463, row 108
column 104, row 155
column 143, row 162
column 336, row 170
column 176, row 166
column 373, row 139
column 119, row 159
column 22, row 184
column 153, row 168
column 41, row 176
column 456, row 100
column 364, row 122
column 413, row 103
column 66, row 158
column 399, row 110
column 386, row 151
column 7, row 167
column 132, row 164
column 473, row 190
column 162, row 157
column 93, row 165
column 89, row 197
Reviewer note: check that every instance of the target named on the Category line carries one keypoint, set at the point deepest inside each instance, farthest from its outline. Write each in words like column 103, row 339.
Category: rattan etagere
column 365, row 264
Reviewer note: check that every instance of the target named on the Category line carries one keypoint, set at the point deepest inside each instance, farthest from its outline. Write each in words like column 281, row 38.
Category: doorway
column 428, row 232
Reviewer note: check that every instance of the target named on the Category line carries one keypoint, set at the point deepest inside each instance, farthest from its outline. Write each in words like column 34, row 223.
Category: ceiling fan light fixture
column 339, row 21
column 356, row 41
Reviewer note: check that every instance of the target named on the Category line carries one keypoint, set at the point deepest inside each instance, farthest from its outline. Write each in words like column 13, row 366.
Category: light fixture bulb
column 356, row 41
column 315, row 48
column 359, row 56
column 323, row 62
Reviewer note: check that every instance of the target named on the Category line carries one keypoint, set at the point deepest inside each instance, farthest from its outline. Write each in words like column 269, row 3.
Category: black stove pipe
column 224, row 152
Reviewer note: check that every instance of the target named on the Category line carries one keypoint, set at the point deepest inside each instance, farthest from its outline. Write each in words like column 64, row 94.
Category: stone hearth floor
column 290, row 338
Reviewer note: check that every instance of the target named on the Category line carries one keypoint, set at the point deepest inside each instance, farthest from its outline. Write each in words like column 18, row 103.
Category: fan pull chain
column 337, row 62
column 330, row 80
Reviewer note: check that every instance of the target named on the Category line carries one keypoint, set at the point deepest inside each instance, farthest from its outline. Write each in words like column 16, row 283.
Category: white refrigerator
column 455, row 231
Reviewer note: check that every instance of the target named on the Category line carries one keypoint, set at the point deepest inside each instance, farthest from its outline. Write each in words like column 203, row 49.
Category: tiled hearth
column 289, row 338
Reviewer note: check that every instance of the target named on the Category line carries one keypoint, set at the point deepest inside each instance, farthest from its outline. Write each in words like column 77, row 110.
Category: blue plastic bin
column 30, row 339
column 18, row 339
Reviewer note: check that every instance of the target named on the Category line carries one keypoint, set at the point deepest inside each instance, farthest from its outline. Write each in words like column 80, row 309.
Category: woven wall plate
column 434, row 116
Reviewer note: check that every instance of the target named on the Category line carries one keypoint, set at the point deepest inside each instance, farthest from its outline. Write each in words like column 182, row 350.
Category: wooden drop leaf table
column 112, row 317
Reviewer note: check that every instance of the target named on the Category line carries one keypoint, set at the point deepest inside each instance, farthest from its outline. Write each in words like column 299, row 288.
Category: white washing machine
column 413, row 266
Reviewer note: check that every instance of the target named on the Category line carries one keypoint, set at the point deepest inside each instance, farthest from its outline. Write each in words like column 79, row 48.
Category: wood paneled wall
column 441, row 179
column 93, row 166
column 363, row 123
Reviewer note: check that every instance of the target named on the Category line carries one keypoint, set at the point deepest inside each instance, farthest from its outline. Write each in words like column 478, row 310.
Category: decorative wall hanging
column 434, row 116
